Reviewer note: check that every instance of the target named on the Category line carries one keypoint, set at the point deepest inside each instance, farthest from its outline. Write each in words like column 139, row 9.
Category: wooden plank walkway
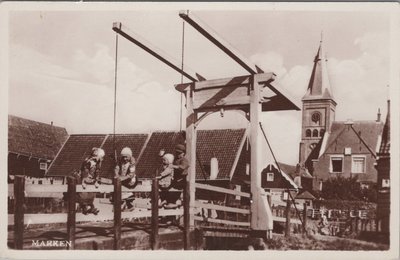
column 99, row 236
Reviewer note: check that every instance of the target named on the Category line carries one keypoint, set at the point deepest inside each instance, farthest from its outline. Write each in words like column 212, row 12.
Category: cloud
column 84, row 102
column 361, row 82
column 270, row 61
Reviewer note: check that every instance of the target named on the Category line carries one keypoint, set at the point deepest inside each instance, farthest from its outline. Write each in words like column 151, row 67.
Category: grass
column 300, row 242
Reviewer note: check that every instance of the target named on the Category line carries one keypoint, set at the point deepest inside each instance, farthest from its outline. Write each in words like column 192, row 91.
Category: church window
column 315, row 133
column 308, row 133
column 316, row 117
column 322, row 132
column 336, row 164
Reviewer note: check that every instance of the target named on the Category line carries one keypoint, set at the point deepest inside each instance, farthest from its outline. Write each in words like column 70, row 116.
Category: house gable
column 272, row 178
column 349, row 141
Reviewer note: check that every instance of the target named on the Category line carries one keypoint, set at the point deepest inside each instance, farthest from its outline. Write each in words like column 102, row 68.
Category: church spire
column 319, row 87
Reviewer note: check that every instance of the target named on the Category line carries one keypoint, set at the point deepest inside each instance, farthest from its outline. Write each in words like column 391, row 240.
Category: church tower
column 318, row 107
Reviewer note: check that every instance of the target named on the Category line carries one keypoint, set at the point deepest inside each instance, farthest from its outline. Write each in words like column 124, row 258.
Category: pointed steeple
column 319, row 87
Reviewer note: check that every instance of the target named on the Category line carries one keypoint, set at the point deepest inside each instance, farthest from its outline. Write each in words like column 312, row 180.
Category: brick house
column 330, row 148
column 32, row 146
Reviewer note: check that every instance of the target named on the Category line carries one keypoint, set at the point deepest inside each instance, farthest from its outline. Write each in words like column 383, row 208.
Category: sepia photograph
column 264, row 129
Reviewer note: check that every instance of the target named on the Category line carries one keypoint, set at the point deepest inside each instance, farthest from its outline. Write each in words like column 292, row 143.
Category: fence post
column 117, row 213
column 357, row 223
column 305, row 217
column 186, row 216
column 287, row 230
column 19, row 195
column 154, row 214
column 71, row 219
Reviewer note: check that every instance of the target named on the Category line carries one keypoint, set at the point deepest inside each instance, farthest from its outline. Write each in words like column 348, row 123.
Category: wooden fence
column 19, row 191
column 232, row 220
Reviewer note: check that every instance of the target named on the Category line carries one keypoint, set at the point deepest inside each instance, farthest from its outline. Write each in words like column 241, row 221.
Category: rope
column 280, row 171
column 182, row 61
column 115, row 94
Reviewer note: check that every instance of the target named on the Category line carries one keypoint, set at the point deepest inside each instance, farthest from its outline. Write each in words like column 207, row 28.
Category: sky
column 61, row 65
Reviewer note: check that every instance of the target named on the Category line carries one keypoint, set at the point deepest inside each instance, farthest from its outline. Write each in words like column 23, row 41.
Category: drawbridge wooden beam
column 193, row 76
column 207, row 32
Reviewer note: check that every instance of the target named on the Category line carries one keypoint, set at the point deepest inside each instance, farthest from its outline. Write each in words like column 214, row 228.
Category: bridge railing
column 211, row 213
column 19, row 191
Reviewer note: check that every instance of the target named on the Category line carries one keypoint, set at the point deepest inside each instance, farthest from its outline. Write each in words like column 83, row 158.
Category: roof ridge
column 34, row 121
column 359, row 121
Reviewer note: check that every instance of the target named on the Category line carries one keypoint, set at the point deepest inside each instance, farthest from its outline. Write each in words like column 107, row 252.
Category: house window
column 238, row 188
column 315, row 133
column 358, row 164
column 336, row 164
column 308, row 133
column 43, row 166
column 385, row 183
column 270, row 176
column 347, row 151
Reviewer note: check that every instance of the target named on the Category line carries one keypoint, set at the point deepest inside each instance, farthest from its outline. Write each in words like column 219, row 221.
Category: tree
column 341, row 188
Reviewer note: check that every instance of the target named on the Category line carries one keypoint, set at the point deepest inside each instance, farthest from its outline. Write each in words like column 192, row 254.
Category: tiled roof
column 150, row 161
column 133, row 141
column 223, row 144
column 36, row 139
column 79, row 147
column 361, row 136
column 289, row 169
column 293, row 170
column 74, row 151
column 305, row 195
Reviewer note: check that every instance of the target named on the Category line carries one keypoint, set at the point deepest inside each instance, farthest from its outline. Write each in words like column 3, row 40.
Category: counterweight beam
column 117, row 27
column 207, row 32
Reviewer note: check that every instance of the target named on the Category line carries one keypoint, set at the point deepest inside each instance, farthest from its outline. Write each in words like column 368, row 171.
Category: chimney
column 51, row 123
column 378, row 119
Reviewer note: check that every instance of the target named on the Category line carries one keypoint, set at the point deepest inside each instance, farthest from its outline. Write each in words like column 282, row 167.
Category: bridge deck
column 99, row 236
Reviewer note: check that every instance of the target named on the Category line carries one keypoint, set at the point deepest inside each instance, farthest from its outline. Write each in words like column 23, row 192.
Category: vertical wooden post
column 186, row 216
column 191, row 137
column 117, row 213
column 154, row 214
column 71, row 219
column 357, row 223
column 255, row 153
column 287, row 227
column 305, row 217
column 19, row 195
column 269, row 201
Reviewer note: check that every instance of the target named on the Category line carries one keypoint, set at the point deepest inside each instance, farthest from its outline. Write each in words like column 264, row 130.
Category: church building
column 330, row 148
